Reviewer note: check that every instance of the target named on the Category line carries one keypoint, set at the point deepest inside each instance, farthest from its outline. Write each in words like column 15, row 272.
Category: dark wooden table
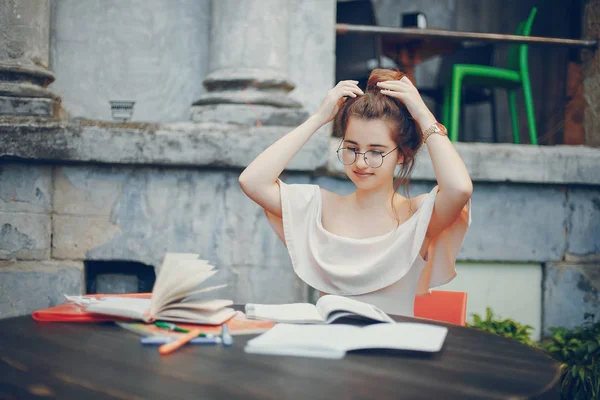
column 410, row 46
column 102, row 361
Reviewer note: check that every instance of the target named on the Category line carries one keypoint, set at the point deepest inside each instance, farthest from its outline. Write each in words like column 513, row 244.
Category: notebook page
column 325, row 341
column 300, row 313
column 401, row 335
column 330, row 303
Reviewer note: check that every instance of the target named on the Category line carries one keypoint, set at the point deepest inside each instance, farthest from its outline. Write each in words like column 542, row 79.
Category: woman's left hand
column 408, row 94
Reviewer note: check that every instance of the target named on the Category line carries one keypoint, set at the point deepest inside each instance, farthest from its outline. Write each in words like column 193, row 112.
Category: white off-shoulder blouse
column 386, row 271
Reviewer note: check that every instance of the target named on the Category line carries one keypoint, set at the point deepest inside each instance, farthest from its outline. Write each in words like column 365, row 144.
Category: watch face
column 421, row 21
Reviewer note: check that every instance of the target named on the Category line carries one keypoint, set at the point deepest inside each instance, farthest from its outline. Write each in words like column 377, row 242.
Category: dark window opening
column 118, row 277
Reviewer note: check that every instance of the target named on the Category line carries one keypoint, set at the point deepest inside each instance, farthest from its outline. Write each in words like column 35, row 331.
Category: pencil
column 171, row 347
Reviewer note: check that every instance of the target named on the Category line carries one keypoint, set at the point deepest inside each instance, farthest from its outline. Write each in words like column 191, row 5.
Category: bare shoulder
column 416, row 201
column 329, row 197
column 331, row 204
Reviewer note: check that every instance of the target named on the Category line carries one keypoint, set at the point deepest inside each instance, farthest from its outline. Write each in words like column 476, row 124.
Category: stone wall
column 54, row 216
column 63, row 215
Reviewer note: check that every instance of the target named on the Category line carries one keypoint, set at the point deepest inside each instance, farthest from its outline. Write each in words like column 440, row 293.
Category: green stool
column 515, row 76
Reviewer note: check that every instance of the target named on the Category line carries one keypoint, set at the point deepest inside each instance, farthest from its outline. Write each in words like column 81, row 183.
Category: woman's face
column 364, row 135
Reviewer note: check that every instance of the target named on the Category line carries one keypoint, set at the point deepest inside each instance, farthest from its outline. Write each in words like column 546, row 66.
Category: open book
column 328, row 309
column 179, row 279
column 333, row 341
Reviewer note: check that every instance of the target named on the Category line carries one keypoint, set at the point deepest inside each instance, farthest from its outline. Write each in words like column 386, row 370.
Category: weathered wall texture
column 311, row 50
column 24, row 31
column 26, row 286
column 139, row 213
column 571, row 289
column 591, row 75
column 24, row 58
column 154, row 52
column 136, row 214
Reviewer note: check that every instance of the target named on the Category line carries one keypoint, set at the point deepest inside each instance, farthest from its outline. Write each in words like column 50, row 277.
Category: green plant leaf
column 488, row 314
column 574, row 371
column 582, row 373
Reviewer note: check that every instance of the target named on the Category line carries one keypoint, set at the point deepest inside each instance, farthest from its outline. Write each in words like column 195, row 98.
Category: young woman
column 373, row 245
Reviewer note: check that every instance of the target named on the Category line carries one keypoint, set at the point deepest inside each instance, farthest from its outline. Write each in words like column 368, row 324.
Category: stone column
column 24, row 59
column 248, row 72
column 591, row 75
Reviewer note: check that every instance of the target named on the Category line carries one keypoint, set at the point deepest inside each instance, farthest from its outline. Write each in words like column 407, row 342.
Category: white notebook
column 333, row 341
column 328, row 309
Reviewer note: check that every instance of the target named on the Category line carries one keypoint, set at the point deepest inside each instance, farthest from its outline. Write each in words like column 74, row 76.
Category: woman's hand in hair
column 408, row 94
column 334, row 99
column 455, row 186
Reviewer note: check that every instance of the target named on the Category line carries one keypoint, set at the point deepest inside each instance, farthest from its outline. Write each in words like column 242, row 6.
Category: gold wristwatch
column 436, row 128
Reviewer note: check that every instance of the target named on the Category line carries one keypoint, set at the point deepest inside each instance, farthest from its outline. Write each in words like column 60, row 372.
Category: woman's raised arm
column 259, row 179
column 455, row 186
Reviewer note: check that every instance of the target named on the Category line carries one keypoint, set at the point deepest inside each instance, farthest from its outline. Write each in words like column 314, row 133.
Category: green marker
column 173, row 327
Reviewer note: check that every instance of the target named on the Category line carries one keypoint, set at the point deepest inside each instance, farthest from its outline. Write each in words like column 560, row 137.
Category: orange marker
column 171, row 347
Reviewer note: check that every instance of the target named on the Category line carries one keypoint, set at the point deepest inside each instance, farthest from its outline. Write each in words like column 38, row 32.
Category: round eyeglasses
column 373, row 158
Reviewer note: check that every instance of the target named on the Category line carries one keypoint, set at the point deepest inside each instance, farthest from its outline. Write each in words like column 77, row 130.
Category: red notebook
column 71, row 312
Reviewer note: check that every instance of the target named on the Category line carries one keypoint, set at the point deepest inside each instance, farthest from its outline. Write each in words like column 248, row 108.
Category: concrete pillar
column 591, row 75
column 248, row 80
column 24, row 59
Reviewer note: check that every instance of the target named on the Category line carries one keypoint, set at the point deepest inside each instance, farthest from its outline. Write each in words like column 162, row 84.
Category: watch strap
column 436, row 128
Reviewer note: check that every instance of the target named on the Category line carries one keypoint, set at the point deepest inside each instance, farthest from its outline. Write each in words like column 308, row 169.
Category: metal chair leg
column 514, row 115
column 455, row 105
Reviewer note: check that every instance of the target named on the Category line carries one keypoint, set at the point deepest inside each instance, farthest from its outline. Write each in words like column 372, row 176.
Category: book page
column 177, row 282
column 121, row 307
column 200, row 305
column 168, row 261
column 175, row 270
column 182, row 283
column 300, row 313
column 205, row 290
column 400, row 336
column 198, row 317
column 329, row 304
column 181, row 277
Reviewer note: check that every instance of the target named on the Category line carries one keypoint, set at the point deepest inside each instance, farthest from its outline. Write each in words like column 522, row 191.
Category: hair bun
column 382, row 75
